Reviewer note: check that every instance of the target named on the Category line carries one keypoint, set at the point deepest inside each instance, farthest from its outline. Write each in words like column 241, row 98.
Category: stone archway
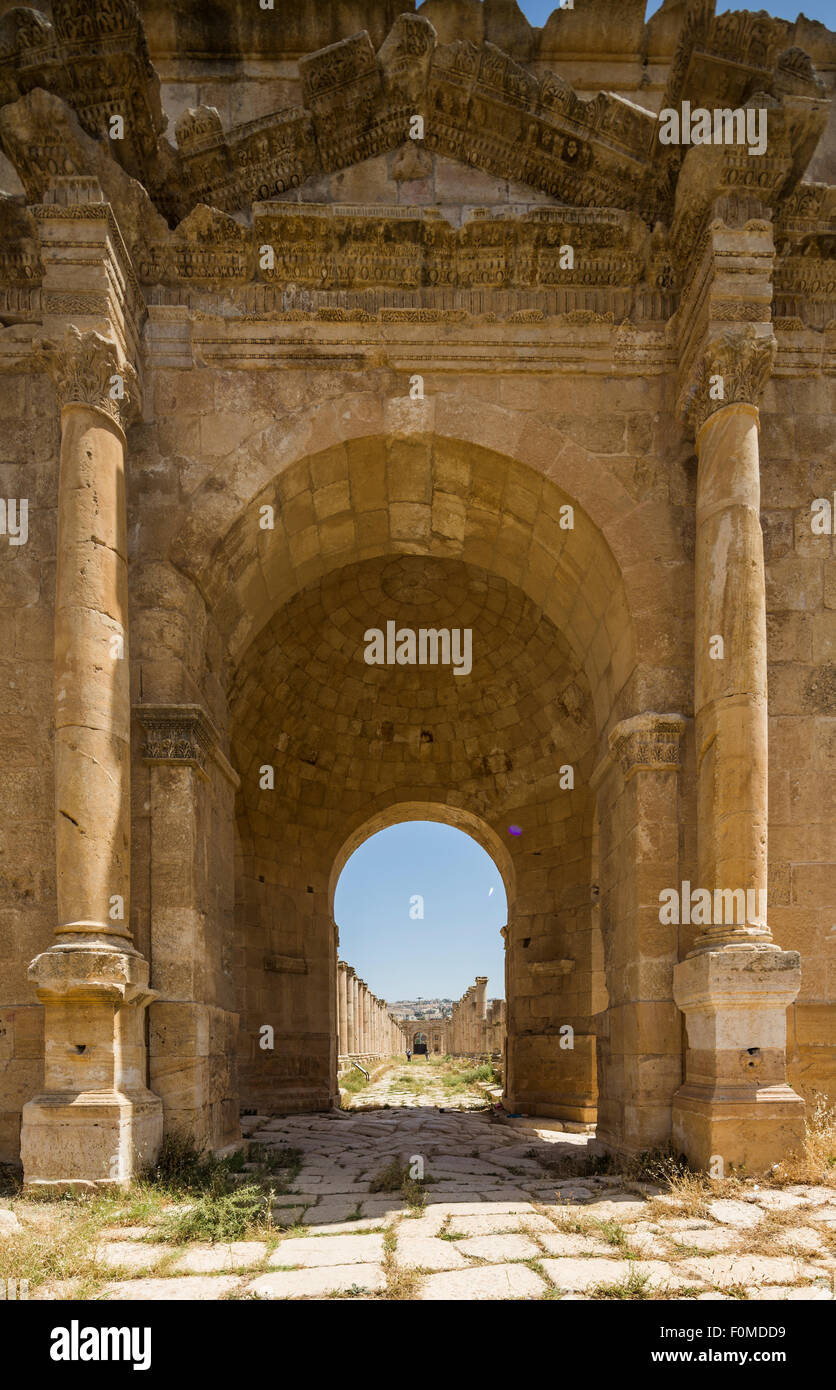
column 451, row 535
column 200, row 385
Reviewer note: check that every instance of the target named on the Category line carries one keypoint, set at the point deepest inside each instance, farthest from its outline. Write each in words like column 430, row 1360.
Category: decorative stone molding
column 86, row 370
column 182, row 735
column 648, row 742
column 744, row 359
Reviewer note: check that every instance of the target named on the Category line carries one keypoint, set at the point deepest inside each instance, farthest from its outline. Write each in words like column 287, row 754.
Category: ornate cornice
column 182, row 736
column 648, row 742
column 644, row 743
column 86, row 370
column 743, row 358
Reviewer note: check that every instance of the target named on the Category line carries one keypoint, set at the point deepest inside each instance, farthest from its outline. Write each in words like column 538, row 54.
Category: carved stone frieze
column 648, row 742
column 181, row 735
column 176, row 734
column 86, row 369
column 95, row 57
column 479, row 105
column 734, row 367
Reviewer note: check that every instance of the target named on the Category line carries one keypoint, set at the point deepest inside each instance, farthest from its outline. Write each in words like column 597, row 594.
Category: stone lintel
column 182, row 735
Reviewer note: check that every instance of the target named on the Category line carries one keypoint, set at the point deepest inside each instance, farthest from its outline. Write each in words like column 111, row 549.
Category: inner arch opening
column 420, row 907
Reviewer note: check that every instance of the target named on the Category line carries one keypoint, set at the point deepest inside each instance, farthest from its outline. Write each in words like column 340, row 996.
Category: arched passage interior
column 431, row 532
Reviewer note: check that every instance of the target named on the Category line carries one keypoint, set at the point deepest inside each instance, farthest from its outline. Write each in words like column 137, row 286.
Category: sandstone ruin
column 280, row 364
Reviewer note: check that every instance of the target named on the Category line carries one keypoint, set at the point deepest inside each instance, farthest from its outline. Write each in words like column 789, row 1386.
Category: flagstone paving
column 496, row 1223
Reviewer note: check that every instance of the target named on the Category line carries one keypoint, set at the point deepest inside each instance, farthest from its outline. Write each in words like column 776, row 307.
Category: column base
column 84, row 1140
column 95, row 1123
column 750, row 1131
column 736, row 1109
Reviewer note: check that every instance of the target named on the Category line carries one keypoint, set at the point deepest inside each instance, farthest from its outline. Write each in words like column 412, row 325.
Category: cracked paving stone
column 170, row 1290
column 499, row 1248
column 238, row 1254
column 483, row 1283
column 319, row 1282
column 576, row 1275
column 131, row 1254
column 328, row 1250
column 498, row 1223
column 727, row 1270
column 427, row 1252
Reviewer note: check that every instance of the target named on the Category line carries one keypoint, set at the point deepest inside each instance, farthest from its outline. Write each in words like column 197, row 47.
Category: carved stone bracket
column 734, row 368
column 181, row 735
column 86, row 370
column 647, row 742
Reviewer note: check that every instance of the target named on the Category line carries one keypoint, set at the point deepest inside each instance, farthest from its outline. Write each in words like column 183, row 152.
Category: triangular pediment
column 401, row 136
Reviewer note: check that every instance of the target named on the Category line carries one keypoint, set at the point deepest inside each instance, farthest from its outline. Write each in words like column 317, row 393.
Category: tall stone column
column 736, row 983
column 358, row 1014
column 363, row 1006
column 342, row 1006
column 481, row 1012
column 349, row 1009
column 367, row 1018
column 95, row 1121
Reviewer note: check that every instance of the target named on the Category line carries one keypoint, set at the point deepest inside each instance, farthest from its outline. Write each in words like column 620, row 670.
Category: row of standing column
column 468, row 1031
column 364, row 1027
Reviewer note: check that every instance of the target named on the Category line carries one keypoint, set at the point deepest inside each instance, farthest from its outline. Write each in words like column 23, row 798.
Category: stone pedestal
column 95, row 1122
column 736, row 1104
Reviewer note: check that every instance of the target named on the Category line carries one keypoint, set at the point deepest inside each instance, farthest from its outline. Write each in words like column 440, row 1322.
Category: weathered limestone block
column 552, row 1080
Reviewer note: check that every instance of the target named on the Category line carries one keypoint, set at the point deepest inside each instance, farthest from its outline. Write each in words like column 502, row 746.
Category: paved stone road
column 416, row 1084
column 495, row 1224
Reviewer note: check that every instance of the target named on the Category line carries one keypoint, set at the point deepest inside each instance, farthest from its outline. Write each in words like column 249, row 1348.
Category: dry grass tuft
column 815, row 1161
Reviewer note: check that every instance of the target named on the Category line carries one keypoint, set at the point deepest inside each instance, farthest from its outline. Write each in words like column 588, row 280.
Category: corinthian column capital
column 86, row 370
column 733, row 369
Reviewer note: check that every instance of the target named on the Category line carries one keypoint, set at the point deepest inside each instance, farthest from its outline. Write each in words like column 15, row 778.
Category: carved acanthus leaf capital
column 86, row 370
column 734, row 368
column 649, row 742
column 182, row 736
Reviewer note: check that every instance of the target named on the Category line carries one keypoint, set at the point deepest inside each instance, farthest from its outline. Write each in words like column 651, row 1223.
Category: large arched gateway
column 405, row 475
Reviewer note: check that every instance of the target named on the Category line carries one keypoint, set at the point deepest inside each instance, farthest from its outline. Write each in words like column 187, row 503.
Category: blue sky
column 459, row 936
column 538, row 11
